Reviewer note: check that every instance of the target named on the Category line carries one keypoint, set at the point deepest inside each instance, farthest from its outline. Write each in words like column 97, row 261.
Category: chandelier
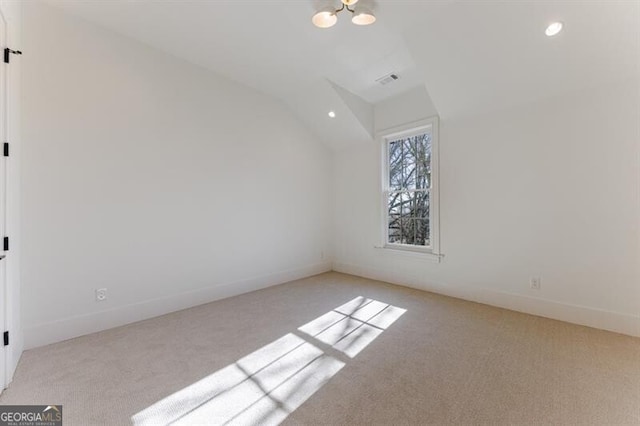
column 328, row 16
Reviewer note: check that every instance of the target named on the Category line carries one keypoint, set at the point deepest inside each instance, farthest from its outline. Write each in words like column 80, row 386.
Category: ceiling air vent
column 386, row 79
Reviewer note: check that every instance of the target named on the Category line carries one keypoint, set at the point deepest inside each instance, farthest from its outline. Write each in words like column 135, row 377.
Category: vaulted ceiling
column 470, row 55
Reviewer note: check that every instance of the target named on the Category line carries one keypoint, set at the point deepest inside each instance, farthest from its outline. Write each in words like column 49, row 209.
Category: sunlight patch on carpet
column 267, row 385
column 353, row 326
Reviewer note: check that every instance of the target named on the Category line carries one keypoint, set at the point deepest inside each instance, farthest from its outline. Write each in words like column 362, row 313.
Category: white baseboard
column 57, row 331
column 582, row 315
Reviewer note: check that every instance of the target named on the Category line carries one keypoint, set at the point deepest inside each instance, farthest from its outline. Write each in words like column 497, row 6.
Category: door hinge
column 8, row 52
column 6, row 338
column 6, row 149
column 6, row 243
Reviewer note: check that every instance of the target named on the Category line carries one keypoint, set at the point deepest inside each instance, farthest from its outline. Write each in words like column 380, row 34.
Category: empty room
column 320, row 212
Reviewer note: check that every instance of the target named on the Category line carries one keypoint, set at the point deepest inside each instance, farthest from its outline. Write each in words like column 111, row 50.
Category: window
column 410, row 187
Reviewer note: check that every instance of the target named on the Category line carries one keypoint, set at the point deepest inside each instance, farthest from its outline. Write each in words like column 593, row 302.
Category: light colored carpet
column 289, row 353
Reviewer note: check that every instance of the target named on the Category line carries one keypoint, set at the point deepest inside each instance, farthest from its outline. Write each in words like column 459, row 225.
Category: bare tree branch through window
column 409, row 190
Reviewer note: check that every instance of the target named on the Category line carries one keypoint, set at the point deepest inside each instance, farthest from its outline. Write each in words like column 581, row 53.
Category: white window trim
column 415, row 128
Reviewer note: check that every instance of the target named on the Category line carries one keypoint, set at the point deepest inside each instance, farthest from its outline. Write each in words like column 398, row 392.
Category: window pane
column 407, row 230
column 409, row 218
column 395, row 165
column 406, row 204
column 421, row 210
column 422, row 232
column 423, row 156
column 395, row 202
column 395, row 225
column 395, row 229
column 410, row 163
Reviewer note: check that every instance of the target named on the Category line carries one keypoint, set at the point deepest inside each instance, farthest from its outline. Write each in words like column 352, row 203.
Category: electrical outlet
column 534, row 282
column 101, row 294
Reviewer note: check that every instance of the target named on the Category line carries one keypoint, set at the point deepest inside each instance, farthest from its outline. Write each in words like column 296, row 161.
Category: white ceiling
column 477, row 56
column 270, row 45
column 472, row 55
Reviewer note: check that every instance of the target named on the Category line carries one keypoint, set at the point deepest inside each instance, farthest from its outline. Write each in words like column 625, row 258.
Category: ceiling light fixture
column 328, row 16
column 332, row 114
column 553, row 29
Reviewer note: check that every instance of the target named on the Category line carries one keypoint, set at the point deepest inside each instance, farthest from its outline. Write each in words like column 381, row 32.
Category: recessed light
column 553, row 29
column 332, row 114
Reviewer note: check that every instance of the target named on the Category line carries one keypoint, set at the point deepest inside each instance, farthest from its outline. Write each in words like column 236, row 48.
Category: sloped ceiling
column 471, row 55
column 477, row 56
column 312, row 104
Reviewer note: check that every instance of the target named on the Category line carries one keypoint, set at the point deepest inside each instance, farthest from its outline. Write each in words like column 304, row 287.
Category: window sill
column 416, row 252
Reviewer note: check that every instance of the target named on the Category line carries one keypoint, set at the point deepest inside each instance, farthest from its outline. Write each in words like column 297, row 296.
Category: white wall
column 549, row 189
column 156, row 179
column 11, row 10
column 413, row 105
